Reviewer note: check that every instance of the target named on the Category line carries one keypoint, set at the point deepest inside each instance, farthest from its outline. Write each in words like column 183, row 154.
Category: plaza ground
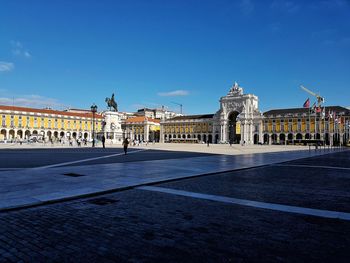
column 288, row 206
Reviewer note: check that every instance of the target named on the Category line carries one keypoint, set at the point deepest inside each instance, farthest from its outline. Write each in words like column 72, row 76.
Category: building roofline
column 49, row 111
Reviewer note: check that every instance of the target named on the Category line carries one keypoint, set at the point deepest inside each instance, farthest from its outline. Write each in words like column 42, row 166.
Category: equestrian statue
column 111, row 103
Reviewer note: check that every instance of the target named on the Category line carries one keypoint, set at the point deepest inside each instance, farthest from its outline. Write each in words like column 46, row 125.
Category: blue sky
column 153, row 53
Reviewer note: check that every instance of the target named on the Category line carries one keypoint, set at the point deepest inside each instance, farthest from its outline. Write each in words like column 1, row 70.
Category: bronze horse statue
column 111, row 103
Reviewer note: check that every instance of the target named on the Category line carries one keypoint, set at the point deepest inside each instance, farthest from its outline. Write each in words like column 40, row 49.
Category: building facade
column 21, row 123
column 291, row 126
column 141, row 128
column 237, row 121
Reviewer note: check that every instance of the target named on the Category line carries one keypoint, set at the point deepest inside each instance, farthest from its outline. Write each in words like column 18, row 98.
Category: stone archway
column 12, row 134
column 282, row 138
column 233, row 137
column 20, row 134
column 327, row 138
column 256, row 138
column 336, row 139
column 266, row 138
column 3, row 134
column 27, row 134
column 274, row 138
column 290, row 137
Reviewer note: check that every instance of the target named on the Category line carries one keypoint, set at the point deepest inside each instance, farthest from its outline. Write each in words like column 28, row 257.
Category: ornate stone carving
column 235, row 90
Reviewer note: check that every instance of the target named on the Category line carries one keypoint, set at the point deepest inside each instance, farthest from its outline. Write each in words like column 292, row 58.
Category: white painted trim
column 312, row 166
column 255, row 204
column 85, row 160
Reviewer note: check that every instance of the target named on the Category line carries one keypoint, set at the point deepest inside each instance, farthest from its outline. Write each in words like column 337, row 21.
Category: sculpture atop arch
column 235, row 90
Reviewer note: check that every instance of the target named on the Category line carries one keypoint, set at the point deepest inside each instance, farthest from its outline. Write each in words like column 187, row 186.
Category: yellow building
column 298, row 126
column 141, row 128
column 21, row 123
column 190, row 128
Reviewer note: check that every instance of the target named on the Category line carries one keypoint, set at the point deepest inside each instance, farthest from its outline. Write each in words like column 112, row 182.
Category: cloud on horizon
column 174, row 93
column 6, row 66
column 35, row 101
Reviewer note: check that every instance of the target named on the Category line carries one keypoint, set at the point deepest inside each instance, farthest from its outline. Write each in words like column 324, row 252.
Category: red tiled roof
column 50, row 111
column 141, row 119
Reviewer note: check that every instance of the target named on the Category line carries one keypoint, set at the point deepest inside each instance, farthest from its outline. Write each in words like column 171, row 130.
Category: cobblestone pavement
column 143, row 226
column 26, row 158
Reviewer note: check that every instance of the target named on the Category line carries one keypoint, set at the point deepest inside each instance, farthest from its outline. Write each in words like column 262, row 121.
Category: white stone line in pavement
column 312, row 166
column 85, row 160
column 256, row 204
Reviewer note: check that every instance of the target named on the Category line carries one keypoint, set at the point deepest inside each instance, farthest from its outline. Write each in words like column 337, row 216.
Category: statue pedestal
column 113, row 127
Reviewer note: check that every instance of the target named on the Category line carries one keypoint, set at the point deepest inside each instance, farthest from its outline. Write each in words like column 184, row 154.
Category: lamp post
column 93, row 110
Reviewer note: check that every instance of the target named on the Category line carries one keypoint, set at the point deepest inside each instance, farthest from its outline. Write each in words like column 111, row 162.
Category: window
column 56, row 124
column 12, row 121
column 3, row 121
column 20, row 121
column 35, row 122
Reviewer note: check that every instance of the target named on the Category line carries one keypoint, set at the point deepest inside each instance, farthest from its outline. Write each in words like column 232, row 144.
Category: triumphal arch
column 239, row 119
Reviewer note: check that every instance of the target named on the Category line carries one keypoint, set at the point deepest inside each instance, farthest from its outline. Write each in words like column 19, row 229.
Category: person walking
column 125, row 145
column 208, row 142
column 103, row 141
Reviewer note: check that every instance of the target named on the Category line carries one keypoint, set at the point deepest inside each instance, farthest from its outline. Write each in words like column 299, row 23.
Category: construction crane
column 320, row 99
column 179, row 105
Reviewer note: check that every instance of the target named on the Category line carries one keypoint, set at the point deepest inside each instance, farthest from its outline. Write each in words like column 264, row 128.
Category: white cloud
column 247, row 7
column 289, row 6
column 6, row 66
column 18, row 49
column 35, row 101
column 174, row 93
column 27, row 54
column 334, row 3
column 16, row 44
